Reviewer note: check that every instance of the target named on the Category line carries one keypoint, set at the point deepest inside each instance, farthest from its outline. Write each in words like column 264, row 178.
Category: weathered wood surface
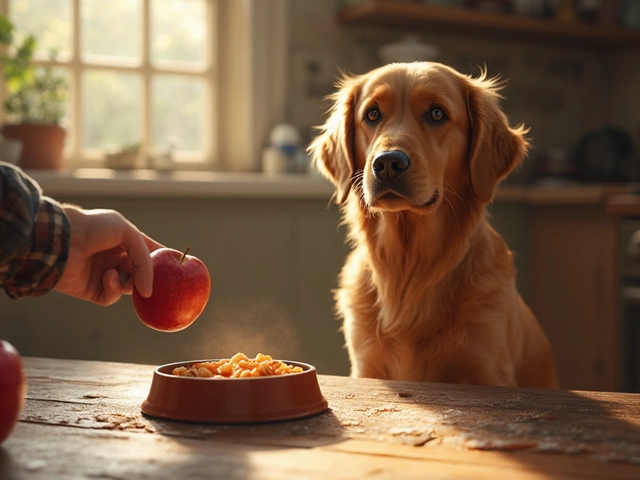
column 83, row 420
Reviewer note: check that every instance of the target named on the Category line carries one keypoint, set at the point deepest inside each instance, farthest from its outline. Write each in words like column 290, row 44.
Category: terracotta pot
column 42, row 145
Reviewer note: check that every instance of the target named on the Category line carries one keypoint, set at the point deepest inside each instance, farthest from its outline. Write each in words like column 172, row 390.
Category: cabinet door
column 572, row 282
column 320, row 253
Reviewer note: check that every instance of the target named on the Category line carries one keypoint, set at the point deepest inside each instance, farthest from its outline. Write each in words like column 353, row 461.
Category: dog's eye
column 436, row 115
column 372, row 115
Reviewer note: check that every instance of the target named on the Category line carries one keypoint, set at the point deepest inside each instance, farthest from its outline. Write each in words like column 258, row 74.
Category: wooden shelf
column 487, row 24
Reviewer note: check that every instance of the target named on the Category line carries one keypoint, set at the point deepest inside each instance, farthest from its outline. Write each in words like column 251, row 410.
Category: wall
column 273, row 265
column 625, row 91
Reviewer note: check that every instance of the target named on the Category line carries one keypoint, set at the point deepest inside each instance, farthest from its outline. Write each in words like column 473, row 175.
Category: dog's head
column 405, row 135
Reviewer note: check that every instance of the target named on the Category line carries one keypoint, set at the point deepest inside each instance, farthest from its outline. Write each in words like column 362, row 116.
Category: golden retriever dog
column 428, row 292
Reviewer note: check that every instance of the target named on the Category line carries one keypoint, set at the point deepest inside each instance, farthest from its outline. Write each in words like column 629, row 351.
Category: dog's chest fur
column 417, row 309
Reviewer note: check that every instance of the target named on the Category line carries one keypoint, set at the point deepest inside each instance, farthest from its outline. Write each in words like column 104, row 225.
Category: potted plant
column 35, row 102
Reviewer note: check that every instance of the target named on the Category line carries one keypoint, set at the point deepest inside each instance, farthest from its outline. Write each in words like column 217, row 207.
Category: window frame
column 252, row 78
column 245, row 76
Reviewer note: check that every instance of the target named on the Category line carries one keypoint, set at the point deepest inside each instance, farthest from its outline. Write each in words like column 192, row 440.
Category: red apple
column 13, row 388
column 181, row 288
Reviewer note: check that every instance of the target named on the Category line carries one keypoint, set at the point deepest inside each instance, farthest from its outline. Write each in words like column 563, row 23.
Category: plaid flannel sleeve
column 34, row 236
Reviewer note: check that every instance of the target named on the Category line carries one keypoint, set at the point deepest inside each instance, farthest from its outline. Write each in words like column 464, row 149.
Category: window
column 161, row 74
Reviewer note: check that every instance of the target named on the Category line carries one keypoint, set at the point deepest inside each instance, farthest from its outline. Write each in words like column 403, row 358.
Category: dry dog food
column 238, row 366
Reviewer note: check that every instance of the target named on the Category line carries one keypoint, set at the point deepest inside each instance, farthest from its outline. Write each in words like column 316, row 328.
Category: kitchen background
column 274, row 258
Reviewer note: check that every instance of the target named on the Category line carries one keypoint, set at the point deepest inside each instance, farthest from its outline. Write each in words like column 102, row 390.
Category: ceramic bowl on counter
column 408, row 49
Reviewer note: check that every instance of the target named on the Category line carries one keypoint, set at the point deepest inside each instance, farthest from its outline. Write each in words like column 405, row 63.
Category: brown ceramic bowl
column 234, row 400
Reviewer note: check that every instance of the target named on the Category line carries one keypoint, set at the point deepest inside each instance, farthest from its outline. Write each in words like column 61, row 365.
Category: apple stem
column 184, row 254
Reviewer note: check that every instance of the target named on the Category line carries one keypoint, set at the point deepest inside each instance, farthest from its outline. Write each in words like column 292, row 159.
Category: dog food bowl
column 234, row 400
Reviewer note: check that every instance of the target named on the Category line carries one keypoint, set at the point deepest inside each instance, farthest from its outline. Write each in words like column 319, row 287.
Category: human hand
column 108, row 255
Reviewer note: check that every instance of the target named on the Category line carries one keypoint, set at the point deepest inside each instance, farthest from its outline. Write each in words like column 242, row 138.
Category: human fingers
column 110, row 277
column 111, row 288
column 151, row 243
column 126, row 282
column 138, row 251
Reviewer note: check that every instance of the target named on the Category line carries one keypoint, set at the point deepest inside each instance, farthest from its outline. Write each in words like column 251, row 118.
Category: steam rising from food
column 261, row 326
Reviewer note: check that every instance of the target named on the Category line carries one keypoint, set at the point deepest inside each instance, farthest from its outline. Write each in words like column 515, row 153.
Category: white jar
column 281, row 155
column 273, row 161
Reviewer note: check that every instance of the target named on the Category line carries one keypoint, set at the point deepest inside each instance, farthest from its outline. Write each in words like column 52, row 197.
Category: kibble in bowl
column 239, row 389
column 238, row 366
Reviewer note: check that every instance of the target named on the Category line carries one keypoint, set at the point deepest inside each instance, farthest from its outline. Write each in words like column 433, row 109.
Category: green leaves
column 40, row 99
column 35, row 95
column 16, row 66
column 6, row 30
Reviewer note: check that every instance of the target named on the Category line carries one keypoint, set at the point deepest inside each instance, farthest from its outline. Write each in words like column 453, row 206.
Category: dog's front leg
column 365, row 354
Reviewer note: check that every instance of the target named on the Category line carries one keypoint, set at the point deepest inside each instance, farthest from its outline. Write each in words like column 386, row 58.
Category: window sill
column 90, row 182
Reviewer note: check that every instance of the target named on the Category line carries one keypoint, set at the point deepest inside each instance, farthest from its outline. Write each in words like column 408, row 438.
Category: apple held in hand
column 181, row 288
column 13, row 388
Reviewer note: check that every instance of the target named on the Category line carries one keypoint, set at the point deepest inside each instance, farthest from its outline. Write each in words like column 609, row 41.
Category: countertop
column 624, row 205
column 94, row 182
column 569, row 194
column 103, row 182
column 82, row 419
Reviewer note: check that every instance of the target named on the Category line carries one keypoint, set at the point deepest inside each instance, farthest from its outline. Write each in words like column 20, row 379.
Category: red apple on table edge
column 181, row 289
column 13, row 388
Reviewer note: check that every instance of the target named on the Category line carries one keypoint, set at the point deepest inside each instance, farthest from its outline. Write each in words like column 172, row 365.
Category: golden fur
column 428, row 292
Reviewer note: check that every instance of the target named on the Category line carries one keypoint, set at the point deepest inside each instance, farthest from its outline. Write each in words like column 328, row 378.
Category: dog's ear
column 332, row 150
column 494, row 148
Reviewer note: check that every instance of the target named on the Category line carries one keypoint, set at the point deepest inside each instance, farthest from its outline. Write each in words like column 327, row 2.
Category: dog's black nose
column 390, row 165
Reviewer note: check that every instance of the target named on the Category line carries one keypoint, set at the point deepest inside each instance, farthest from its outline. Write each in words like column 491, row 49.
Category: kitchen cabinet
column 572, row 281
column 416, row 15
column 566, row 248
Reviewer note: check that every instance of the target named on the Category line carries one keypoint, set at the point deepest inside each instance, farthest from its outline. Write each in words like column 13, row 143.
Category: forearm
column 34, row 236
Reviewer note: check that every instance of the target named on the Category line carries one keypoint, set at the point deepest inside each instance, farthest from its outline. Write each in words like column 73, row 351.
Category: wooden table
column 83, row 420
